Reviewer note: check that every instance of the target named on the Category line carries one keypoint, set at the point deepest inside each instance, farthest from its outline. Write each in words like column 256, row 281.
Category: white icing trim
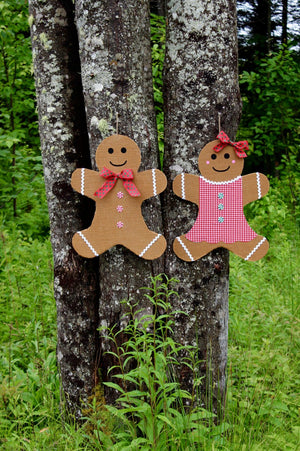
column 185, row 248
column 258, row 185
column 182, row 186
column 154, row 182
column 88, row 243
column 255, row 249
column 149, row 245
column 220, row 183
column 82, row 181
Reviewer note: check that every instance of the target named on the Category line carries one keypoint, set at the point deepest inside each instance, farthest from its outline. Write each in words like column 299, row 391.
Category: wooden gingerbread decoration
column 221, row 193
column 118, row 190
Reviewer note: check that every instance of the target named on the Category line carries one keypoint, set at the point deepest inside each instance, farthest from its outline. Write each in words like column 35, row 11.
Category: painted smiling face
column 118, row 152
column 219, row 166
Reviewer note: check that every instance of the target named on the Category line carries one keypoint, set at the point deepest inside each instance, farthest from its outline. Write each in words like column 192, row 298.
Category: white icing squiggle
column 88, row 244
column 185, row 248
column 82, row 181
column 226, row 182
column 258, row 185
column 255, row 249
column 149, row 245
column 154, row 182
column 182, row 186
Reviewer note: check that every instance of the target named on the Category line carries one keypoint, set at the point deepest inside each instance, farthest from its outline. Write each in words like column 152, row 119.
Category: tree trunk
column 158, row 7
column 284, row 21
column 261, row 27
column 201, row 80
column 64, row 144
column 113, row 56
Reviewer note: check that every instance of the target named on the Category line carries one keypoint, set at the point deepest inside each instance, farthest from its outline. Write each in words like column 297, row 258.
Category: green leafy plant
column 152, row 410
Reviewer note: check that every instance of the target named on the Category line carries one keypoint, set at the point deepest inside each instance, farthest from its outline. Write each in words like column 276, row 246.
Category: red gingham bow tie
column 239, row 146
column 111, row 179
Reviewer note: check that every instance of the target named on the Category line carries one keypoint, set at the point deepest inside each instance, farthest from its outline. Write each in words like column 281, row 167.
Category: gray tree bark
column 93, row 75
column 92, row 65
column 201, row 80
column 64, row 145
column 115, row 54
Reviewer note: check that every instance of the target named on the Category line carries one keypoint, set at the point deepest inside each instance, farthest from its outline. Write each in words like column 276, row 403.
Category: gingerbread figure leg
column 151, row 246
column 190, row 251
column 84, row 245
column 252, row 250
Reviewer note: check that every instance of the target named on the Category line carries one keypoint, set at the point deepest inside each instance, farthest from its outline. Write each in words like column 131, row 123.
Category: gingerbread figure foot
column 253, row 250
column 189, row 251
column 83, row 246
column 152, row 248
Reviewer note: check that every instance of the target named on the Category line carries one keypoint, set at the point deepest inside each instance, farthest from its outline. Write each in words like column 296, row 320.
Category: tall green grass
column 262, row 405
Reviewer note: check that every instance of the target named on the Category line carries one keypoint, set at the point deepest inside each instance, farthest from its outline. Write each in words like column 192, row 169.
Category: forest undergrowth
column 262, row 405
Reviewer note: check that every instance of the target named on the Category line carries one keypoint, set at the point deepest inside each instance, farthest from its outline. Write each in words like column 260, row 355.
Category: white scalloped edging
column 149, row 245
column 226, row 182
column 255, row 249
column 88, row 244
column 154, row 182
column 82, row 181
column 182, row 186
column 258, row 185
column 185, row 248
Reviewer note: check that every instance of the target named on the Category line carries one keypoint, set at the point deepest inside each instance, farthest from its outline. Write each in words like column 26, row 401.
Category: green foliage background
column 22, row 195
column 263, row 370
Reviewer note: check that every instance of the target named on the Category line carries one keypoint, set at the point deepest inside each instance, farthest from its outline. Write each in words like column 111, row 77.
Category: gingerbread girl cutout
column 221, row 193
column 118, row 190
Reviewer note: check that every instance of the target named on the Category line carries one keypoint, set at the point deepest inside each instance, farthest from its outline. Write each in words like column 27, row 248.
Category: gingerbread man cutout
column 221, row 193
column 118, row 190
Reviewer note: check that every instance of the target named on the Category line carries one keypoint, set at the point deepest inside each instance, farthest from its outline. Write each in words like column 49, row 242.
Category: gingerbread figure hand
column 152, row 182
column 221, row 194
column 118, row 190
column 85, row 181
column 255, row 186
column 185, row 186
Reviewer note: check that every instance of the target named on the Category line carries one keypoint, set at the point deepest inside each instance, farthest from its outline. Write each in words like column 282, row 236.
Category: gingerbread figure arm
column 86, row 182
column 255, row 186
column 151, row 182
column 186, row 186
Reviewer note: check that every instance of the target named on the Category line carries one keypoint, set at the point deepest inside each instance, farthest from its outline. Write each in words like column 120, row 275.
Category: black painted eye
column 214, row 156
column 110, row 150
column 123, row 150
column 226, row 156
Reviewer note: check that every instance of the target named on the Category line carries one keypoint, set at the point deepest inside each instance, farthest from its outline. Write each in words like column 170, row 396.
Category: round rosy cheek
column 233, row 161
column 207, row 162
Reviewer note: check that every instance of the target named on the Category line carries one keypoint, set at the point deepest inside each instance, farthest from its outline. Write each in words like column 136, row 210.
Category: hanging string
column 219, row 120
column 117, row 123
